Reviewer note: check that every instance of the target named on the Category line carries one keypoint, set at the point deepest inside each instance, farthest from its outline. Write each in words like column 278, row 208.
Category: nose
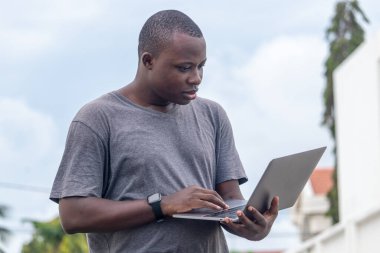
column 196, row 77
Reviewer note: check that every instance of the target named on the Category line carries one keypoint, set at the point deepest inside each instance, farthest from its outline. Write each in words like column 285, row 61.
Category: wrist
column 154, row 201
column 165, row 206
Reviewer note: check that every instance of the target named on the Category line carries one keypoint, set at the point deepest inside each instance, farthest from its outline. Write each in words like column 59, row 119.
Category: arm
column 253, row 230
column 91, row 214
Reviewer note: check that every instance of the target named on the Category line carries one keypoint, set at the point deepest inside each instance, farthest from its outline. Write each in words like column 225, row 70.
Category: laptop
column 284, row 177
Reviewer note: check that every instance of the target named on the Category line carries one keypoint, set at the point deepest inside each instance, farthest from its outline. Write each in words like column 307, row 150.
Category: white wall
column 358, row 235
column 357, row 103
column 357, row 96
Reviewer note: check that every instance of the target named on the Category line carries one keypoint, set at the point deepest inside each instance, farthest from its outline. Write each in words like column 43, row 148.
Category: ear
column 147, row 60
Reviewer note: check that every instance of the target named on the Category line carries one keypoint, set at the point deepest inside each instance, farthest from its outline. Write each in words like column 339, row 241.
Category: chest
column 175, row 151
column 153, row 137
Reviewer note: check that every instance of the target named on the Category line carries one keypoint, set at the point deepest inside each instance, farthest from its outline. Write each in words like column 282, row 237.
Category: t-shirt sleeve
column 83, row 162
column 228, row 162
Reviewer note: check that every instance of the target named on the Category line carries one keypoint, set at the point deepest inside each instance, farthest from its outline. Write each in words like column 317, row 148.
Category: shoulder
column 96, row 114
column 97, row 109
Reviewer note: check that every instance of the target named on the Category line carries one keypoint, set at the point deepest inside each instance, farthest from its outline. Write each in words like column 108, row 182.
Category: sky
column 265, row 67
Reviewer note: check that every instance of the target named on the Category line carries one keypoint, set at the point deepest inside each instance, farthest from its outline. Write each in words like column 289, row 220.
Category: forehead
column 185, row 47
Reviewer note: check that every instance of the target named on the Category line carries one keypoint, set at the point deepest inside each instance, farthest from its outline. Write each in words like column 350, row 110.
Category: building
column 309, row 212
column 357, row 105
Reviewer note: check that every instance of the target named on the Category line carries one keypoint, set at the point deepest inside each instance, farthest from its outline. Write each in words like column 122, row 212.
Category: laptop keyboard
column 230, row 213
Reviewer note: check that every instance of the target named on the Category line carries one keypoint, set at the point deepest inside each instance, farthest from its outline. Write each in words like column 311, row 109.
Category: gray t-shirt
column 118, row 150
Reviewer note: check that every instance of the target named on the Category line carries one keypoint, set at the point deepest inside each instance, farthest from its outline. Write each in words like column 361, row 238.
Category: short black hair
column 159, row 28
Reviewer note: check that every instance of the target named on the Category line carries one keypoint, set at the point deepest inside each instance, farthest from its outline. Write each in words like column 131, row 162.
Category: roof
column 322, row 180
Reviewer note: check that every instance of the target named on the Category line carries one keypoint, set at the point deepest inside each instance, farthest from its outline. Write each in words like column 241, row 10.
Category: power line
column 24, row 187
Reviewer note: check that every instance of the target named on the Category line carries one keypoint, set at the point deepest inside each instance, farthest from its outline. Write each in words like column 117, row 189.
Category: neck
column 141, row 96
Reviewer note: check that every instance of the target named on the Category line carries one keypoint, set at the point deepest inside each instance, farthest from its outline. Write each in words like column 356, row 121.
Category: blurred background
column 270, row 64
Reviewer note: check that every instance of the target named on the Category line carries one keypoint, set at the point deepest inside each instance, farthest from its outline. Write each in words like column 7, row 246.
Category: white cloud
column 285, row 80
column 40, row 26
column 24, row 133
column 29, row 154
column 285, row 73
column 28, row 148
column 16, row 44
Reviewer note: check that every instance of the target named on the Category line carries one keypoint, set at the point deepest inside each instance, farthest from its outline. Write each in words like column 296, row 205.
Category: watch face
column 154, row 198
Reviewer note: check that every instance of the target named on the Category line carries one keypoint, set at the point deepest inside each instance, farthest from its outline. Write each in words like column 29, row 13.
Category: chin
column 183, row 102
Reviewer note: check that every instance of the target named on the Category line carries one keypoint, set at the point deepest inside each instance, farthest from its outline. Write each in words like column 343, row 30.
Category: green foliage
column 333, row 212
column 344, row 35
column 4, row 232
column 49, row 237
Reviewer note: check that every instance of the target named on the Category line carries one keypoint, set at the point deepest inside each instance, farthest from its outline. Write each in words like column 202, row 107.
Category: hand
column 255, row 229
column 190, row 198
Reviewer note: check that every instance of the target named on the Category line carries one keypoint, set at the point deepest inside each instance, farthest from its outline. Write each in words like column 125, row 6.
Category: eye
column 201, row 66
column 184, row 68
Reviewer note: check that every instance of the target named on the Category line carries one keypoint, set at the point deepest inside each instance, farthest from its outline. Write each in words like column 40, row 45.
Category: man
column 136, row 156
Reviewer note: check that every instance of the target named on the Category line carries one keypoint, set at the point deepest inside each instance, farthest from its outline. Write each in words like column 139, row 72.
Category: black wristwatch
column 154, row 201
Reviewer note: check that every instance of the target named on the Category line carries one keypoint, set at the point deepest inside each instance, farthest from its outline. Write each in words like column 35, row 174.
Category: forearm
column 229, row 190
column 90, row 214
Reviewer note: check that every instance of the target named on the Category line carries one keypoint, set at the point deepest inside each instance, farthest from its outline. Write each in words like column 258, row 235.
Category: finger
column 244, row 219
column 226, row 220
column 273, row 210
column 199, row 203
column 211, row 192
column 216, row 201
column 238, row 228
column 257, row 216
column 232, row 225
column 209, row 195
column 213, row 199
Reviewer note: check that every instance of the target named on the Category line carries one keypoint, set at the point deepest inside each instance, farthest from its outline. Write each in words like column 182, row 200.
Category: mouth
column 193, row 90
column 190, row 95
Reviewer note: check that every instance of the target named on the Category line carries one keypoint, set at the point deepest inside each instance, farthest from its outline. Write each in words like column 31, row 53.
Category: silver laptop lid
column 285, row 177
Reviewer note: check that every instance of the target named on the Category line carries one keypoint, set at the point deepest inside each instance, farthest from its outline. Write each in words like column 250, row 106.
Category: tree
column 344, row 35
column 49, row 237
column 4, row 232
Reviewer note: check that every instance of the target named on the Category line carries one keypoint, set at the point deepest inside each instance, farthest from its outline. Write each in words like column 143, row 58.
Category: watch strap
column 156, row 207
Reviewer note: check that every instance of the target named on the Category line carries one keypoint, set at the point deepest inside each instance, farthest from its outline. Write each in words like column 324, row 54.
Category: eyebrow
column 192, row 63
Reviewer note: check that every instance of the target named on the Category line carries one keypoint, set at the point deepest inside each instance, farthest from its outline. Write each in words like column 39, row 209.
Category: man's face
column 178, row 70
